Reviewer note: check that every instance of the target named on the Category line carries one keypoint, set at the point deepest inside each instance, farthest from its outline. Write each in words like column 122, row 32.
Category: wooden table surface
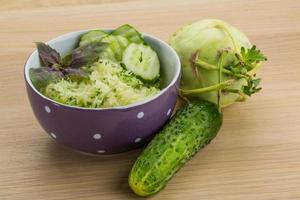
column 256, row 155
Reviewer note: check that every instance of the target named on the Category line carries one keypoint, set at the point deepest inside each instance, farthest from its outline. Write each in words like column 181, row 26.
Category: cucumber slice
column 108, row 54
column 142, row 60
column 123, row 41
column 130, row 33
column 117, row 44
column 93, row 35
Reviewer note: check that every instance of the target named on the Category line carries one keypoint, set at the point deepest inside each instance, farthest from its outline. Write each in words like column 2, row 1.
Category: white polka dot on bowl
column 97, row 136
column 47, row 109
column 140, row 115
column 53, row 135
column 100, row 151
column 56, row 104
column 169, row 111
column 137, row 140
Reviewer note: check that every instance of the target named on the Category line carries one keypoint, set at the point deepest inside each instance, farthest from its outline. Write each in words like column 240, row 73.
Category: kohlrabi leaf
column 42, row 76
column 252, row 87
column 48, row 56
column 246, row 61
column 248, row 58
column 252, row 55
column 86, row 54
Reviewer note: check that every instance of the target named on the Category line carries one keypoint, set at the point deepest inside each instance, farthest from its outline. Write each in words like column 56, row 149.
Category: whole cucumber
column 192, row 128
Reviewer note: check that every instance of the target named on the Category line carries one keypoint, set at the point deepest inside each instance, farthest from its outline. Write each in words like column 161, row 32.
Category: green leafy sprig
column 245, row 62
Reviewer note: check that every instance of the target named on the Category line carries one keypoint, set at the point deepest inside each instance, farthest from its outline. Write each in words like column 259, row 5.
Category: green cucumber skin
column 130, row 33
column 192, row 128
column 91, row 36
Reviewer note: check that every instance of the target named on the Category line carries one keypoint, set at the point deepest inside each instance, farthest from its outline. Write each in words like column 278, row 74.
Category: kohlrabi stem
column 231, row 90
column 220, row 63
column 205, row 65
column 222, row 85
column 184, row 98
column 224, row 28
column 242, row 96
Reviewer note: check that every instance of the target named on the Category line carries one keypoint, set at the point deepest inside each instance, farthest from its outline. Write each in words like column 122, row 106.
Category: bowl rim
column 130, row 106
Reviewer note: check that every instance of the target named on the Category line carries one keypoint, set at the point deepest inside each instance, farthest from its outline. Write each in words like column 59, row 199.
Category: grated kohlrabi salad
column 108, row 85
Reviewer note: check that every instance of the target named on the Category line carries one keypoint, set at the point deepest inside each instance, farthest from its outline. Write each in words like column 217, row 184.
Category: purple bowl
column 106, row 130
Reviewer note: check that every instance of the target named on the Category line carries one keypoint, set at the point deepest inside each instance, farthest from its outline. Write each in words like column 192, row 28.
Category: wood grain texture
column 33, row 4
column 255, row 156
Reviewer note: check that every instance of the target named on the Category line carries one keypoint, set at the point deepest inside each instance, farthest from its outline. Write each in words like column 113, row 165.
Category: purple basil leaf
column 42, row 76
column 48, row 55
column 87, row 54
column 75, row 74
column 66, row 61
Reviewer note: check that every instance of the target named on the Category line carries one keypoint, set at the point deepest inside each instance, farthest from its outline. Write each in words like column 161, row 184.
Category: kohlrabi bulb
column 200, row 46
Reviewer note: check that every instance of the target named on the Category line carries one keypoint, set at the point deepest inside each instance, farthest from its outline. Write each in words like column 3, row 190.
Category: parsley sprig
column 247, row 60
